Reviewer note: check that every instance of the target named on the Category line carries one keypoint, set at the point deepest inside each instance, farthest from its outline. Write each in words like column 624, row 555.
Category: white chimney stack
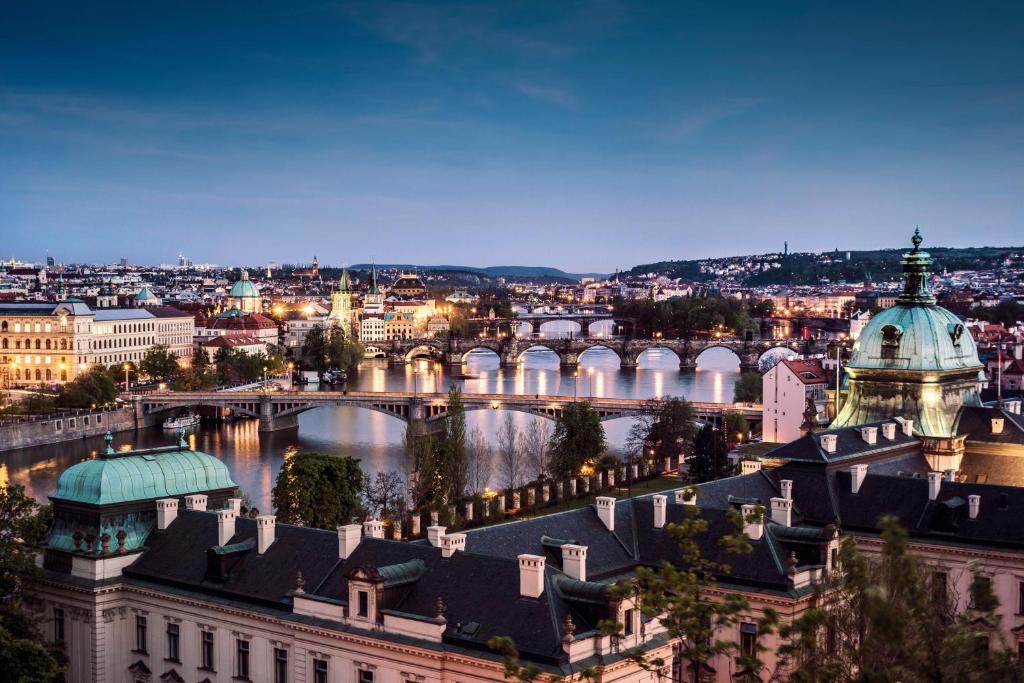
column 348, row 539
column 949, row 475
column 225, row 526
column 531, row 576
column 889, row 430
column 435, row 534
column 782, row 511
column 166, row 512
column 606, row 511
column 574, row 561
column 373, row 528
column 452, row 543
column 869, row 434
column 908, row 425
column 660, row 506
column 934, row 484
column 750, row 466
column 857, row 474
column 195, row 502
column 687, row 496
column 1014, row 405
column 265, row 525
column 828, row 443
column 973, row 505
column 236, row 505
column 787, row 488
column 754, row 530
column 997, row 425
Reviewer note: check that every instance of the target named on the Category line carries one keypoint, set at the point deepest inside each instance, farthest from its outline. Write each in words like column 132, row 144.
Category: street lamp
column 127, row 386
column 264, row 379
column 415, row 378
column 590, row 375
column 575, row 384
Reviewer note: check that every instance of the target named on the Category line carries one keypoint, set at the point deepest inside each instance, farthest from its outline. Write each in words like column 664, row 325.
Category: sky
column 587, row 136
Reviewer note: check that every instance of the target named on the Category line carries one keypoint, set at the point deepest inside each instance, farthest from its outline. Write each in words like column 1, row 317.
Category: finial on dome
column 181, row 438
column 917, row 239
column 109, row 438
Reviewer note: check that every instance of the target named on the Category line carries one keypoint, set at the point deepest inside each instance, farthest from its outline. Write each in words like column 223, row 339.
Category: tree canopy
column 748, row 388
column 318, row 490
column 578, row 439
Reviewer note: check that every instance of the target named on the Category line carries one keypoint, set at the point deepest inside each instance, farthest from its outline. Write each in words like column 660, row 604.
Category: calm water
column 375, row 438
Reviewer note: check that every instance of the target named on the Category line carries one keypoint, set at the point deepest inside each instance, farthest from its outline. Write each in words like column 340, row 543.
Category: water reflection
column 376, row 439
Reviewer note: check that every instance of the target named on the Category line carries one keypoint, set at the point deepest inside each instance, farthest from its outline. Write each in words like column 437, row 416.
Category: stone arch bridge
column 510, row 350
column 280, row 409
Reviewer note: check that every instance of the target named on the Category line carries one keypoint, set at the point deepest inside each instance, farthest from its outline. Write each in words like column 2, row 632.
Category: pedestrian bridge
column 280, row 409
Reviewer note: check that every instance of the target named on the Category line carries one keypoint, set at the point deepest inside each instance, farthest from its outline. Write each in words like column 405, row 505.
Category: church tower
column 341, row 305
column 374, row 302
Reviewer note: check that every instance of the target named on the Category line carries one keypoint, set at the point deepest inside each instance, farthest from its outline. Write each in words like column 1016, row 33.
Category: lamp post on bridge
column 590, row 375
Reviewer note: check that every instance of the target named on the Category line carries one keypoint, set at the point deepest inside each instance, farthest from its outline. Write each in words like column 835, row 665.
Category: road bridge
column 280, row 409
column 510, row 349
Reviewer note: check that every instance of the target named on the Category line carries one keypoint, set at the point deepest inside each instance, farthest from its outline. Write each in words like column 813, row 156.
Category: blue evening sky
column 581, row 135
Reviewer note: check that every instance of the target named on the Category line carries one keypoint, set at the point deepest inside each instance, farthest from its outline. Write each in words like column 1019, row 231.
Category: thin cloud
column 546, row 93
column 698, row 118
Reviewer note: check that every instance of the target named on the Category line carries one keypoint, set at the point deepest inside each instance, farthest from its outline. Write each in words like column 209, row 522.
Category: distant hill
column 515, row 272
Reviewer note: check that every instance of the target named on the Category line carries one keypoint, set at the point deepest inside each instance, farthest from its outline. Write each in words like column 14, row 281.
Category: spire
column 916, row 268
column 343, row 283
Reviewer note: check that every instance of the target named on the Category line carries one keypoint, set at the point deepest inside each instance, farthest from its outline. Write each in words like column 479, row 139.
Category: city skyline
column 586, row 137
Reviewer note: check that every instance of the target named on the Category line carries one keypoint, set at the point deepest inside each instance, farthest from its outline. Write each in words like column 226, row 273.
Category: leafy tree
column 314, row 348
column 748, row 388
column 736, row 427
column 454, row 442
column 708, row 461
column 23, row 525
column 160, row 363
column 93, row 388
column 578, row 439
column 318, row 490
column 665, row 429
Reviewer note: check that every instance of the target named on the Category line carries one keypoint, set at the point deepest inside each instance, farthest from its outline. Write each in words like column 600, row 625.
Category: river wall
column 39, row 431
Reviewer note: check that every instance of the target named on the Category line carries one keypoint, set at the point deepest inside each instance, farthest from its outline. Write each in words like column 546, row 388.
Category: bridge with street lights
column 279, row 410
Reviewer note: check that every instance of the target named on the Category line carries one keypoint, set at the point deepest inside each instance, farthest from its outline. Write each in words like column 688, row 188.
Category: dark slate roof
column 976, row 423
column 849, row 445
column 716, row 494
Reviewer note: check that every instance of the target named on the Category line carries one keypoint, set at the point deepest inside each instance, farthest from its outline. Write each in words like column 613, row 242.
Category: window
column 627, row 622
column 173, row 632
column 58, row 625
column 280, row 665
column 1020, row 597
column 982, row 597
column 748, row 639
column 364, row 604
column 365, row 676
column 319, row 671
column 207, row 650
column 939, row 586
column 140, row 633
column 242, row 659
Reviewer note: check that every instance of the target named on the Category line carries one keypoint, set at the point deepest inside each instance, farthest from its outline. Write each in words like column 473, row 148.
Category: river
column 376, row 438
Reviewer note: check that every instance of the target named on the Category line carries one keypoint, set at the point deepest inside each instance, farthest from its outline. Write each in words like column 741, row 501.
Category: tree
column 160, row 363
column 665, row 429
column 341, row 352
column 578, row 439
column 94, row 388
column 537, row 445
column 454, row 441
column 23, row 525
column 425, row 486
column 708, row 461
column 748, row 388
column 884, row 619
column 479, row 455
column 510, row 449
column 382, row 494
column 318, row 490
column 736, row 427
column 314, row 348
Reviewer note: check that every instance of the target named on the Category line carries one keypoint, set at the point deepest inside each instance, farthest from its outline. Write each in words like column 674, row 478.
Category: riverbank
column 42, row 430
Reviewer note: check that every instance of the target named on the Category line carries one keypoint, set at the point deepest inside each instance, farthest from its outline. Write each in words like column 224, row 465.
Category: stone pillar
column 499, row 501
column 636, row 471
column 515, row 500
column 610, row 478
column 485, row 508
column 545, row 493
column 434, row 517
column 568, row 359
column 396, row 530
column 415, row 530
column 559, row 488
column 572, row 487
column 453, row 358
column 469, row 511
column 452, row 514
column 585, row 484
column 531, row 496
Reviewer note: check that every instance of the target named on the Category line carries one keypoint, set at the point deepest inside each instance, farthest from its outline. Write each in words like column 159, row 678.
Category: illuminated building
column 341, row 305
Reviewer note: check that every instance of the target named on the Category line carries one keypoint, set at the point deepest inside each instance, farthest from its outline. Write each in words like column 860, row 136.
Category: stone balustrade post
column 531, row 496
column 415, row 526
column 469, row 511
column 515, row 500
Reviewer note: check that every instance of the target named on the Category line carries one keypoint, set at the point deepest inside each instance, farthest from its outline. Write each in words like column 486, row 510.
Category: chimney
column 452, row 543
column 787, row 488
column 166, row 512
column 889, row 430
column 195, row 502
column 934, row 484
column 264, row 532
column 373, row 528
column 753, row 530
column 828, row 442
column 908, row 426
column 782, row 511
column 973, row 505
column 660, row 505
column 997, row 425
column 574, row 561
column 435, row 534
column 750, row 466
column 869, row 434
column 225, row 526
column 687, row 496
column 1014, row 405
column 857, row 474
column 949, row 475
column 531, row 576
column 348, row 539
column 236, row 505
column 606, row 511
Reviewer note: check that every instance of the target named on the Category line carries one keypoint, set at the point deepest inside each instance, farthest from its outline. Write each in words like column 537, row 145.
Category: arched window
column 17, row 374
column 64, row 344
column 3, row 326
column 39, row 375
column 891, row 335
column 39, row 344
column 17, row 343
column 5, row 342
column 47, row 344
column 49, row 375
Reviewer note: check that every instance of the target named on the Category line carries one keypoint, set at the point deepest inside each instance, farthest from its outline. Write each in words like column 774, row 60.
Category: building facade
column 788, row 389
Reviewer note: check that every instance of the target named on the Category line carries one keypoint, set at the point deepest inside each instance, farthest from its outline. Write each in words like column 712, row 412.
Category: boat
column 186, row 421
column 465, row 375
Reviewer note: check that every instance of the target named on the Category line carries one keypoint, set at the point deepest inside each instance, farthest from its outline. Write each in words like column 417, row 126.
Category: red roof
column 807, row 371
column 233, row 341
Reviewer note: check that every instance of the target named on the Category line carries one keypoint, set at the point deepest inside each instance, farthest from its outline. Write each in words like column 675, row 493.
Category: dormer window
column 891, row 335
column 955, row 332
column 363, row 604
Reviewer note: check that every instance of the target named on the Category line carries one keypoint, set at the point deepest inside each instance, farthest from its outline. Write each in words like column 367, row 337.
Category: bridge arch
column 423, row 351
column 574, row 328
column 491, row 348
column 716, row 345
column 374, row 352
column 595, row 346
column 545, row 349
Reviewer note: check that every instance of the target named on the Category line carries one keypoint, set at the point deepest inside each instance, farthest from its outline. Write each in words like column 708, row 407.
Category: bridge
column 280, row 409
column 510, row 349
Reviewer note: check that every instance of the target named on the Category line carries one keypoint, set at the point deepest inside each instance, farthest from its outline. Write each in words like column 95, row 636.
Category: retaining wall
column 67, row 427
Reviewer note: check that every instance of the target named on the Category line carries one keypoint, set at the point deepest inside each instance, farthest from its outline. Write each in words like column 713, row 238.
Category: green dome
column 925, row 338
column 142, row 475
column 244, row 288
column 145, row 295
